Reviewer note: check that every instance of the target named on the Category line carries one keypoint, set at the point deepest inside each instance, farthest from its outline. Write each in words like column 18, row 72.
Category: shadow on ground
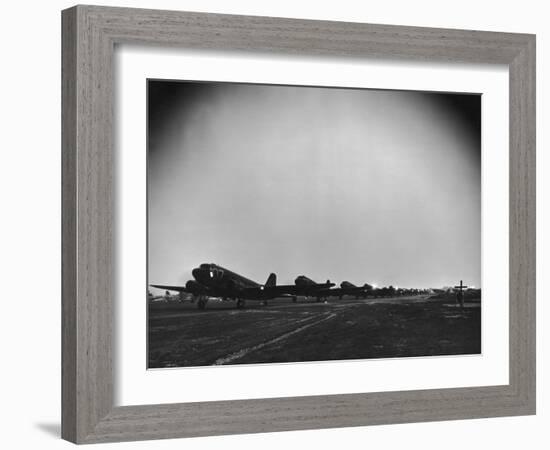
column 53, row 429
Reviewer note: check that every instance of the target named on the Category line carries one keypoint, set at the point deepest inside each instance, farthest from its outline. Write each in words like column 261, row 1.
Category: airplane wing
column 170, row 288
column 264, row 292
column 292, row 289
column 280, row 289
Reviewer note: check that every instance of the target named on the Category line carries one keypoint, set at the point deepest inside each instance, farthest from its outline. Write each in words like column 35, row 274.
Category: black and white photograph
column 297, row 223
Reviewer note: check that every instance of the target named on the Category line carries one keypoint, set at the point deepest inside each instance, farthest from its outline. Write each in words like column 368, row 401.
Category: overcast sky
column 361, row 185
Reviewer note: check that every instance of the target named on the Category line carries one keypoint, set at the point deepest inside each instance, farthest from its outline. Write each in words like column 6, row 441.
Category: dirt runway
column 180, row 335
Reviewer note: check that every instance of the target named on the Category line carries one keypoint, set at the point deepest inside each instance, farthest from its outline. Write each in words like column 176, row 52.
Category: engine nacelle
column 195, row 288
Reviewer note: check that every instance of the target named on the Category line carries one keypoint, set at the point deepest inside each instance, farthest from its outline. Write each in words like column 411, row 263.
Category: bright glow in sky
column 339, row 184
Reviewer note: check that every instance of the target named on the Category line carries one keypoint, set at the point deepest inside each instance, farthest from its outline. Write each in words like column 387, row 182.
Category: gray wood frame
column 89, row 36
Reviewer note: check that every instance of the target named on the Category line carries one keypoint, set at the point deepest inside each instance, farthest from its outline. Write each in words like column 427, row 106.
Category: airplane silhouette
column 346, row 288
column 212, row 280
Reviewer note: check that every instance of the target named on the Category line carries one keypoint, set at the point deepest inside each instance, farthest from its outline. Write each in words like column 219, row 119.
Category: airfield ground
column 180, row 335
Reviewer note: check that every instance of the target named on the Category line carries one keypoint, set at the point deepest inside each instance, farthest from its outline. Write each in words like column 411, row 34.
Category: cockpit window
column 217, row 274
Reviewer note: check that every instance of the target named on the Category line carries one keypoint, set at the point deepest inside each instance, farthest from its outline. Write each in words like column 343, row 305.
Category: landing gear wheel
column 240, row 304
column 294, row 300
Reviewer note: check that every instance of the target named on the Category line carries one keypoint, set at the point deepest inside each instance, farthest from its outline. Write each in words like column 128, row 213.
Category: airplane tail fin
column 271, row 280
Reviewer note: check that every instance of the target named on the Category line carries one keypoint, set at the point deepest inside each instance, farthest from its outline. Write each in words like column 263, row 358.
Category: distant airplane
column 307, row 287
column 211, row 280
column 347, row 288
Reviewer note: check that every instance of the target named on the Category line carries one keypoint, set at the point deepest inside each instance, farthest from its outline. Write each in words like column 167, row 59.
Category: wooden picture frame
column 89, row 36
